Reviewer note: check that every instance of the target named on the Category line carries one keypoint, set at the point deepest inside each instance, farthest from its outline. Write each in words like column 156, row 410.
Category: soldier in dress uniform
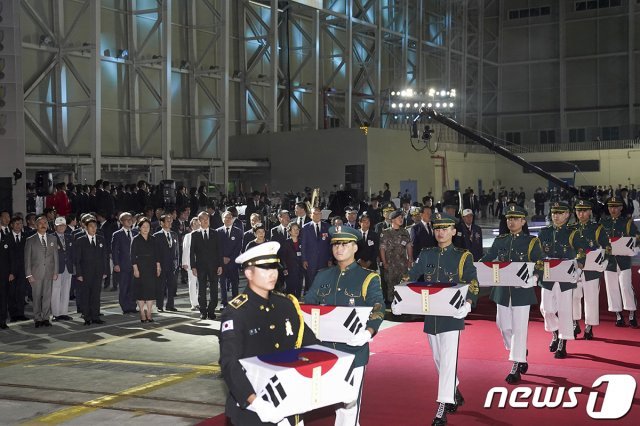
column 588, row 236
column 387, row 209
column 257, row 322
column 396, row 252
column 617, row 277
column 349, row 284
column 557, row 297
column 443, row 264
column 514, row 303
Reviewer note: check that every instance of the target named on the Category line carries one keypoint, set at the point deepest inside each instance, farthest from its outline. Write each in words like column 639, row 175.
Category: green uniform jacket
column 590, row 236
column 355, row 286
column 446, row 265
column 557, row 243
column 620, row 227
column 515, row 248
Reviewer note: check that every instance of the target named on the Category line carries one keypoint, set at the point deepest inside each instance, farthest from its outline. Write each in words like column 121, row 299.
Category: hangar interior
column 189, row 90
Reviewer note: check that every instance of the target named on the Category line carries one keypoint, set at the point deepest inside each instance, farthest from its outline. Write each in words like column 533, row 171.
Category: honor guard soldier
column 444, row 264
column 257, row 322
column 557, row 297
column 617, row 277
column 387, row 209
column 349, row 284
column 514, row 303
column 588, row 236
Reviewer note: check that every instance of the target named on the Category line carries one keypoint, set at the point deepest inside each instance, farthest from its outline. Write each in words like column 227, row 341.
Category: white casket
column 302, row 380
column 335, row 323
column 421, row 298
column 623, row 246
column 596, row 261
column 561, row 270
column 505, row 274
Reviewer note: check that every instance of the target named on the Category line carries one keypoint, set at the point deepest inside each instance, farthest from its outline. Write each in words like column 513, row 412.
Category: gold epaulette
column 462, row 260
column 239, row 300
column 365, row 284
column 532, row 243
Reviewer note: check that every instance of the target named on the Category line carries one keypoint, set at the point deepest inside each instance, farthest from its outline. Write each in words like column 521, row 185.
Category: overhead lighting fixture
column 123, row 54
column 45, row 40
column 393, row 105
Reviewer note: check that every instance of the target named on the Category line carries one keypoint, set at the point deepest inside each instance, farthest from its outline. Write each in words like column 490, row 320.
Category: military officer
column 387, row 209
column 557, row 297
column 446, row 263
column 588, row 236
column 349, row 284
column 396, row 252
column 617, row 277
column 257, row 322
column 514, row 303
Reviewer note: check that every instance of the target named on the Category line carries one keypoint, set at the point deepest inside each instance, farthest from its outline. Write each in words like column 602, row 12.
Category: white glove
column 265, row 410
column 361, row 338
column 463, row 311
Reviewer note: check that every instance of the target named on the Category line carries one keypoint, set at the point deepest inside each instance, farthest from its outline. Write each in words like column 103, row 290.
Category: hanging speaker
column 44, row 183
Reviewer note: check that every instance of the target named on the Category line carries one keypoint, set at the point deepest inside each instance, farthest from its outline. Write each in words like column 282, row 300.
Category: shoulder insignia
column 474, row 288
column 462, row 260
column 629, row 222
column 502, row 236
column 239, row 300
column 277, row 293
column 573, row 234
column 462, row 250
column 532, row 244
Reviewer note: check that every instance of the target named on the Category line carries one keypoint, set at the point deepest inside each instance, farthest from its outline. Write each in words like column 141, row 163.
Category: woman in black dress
column 146, row 269
column 291, row 257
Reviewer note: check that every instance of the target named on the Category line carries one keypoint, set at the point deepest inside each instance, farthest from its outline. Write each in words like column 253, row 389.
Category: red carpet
column 401, row 380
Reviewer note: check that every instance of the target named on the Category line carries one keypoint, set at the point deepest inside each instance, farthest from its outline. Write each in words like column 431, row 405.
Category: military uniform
column 446, row 265
column 250, row 326
column 379, row 228
column 513, row 304
column 588, row 236
column 617, row 277
column 394, row 243
column 557, row 297
column 353, row 286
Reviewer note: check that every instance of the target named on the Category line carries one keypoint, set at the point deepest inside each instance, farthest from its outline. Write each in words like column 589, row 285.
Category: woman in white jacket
column 186, row 260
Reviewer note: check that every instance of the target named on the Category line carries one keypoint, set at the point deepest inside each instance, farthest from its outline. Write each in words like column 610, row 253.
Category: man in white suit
column 186, row 264
column 41, row 266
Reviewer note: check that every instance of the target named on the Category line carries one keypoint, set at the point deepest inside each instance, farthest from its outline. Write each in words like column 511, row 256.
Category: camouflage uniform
column 394, row 242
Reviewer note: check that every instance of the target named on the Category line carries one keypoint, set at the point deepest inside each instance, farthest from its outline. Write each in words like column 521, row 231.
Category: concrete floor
column 122, row 372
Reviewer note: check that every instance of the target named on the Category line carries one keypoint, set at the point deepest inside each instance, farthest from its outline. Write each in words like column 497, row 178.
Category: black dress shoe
column 150, row 320
column 576, row 329
column 98, row 321
column 56, row 319
column 3, row 326
column 37, row 323
column 633, row 323
column 620, row 321
column 203, row 316
column 46, row 323
column 514, row 375
column 441, row 416
column 452, row 408
column 459, row 398
column 87, row 322
column 588, row 333
column 554, row 342
column 160, row 310
column 172, row 309
column 523, row 367
column 561, row 353
column 212, row 316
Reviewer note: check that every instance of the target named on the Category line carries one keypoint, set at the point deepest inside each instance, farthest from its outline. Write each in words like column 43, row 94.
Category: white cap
column 466, row 212
column 60, row 221
column 261, row 254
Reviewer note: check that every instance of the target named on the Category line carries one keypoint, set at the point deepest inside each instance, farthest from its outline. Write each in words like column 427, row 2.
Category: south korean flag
column 457, row 300
column 353, row 323
column 523, row 273
column 274, row 391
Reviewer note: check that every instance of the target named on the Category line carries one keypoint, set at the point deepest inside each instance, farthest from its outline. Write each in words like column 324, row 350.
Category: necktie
column 317, row 230
column 17, row 239
column 228, row 233
column 128, row 235
column 168, row 238
column 43, row 241
column 364, row 236
column 206, row 235
column 93, row 241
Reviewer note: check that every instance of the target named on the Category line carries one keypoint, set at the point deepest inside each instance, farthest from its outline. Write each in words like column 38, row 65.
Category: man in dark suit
column 469, row 235
column 301, row 215
column 254, row 205
column 18, row 288
column 627, row 203
column 167, row 249
column 230, row 239
column 107, row 226
column 121, row 256
column 368, row 246
column 6, row 277
column 421, row 233
column 279, row 233
column 249, row 235
column 316, row 246
column 92, row 265
column 206, row 265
